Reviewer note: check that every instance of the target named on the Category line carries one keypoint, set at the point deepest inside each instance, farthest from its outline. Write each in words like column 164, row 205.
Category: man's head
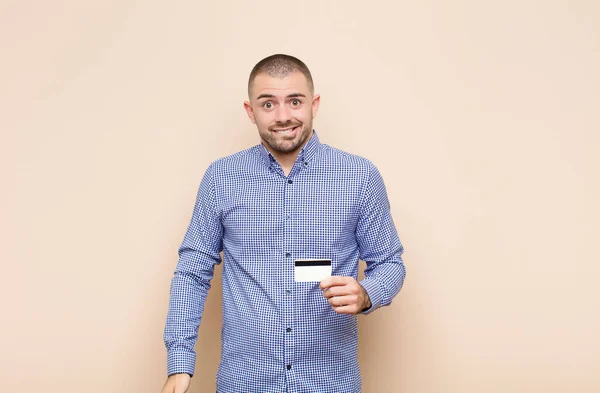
column 279, row 66
column 282, row 103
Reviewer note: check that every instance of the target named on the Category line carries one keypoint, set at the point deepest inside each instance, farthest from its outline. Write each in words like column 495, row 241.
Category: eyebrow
column 293, row 95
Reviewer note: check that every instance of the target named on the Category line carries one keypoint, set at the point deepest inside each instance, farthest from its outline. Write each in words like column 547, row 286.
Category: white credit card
column 309, row 270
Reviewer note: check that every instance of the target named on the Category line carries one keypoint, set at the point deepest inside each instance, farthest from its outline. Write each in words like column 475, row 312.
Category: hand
column 177, row 383
column 345, row 294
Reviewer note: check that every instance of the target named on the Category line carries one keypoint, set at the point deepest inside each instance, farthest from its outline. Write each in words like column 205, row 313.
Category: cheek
column 300, row 114
column 305, row 116
column 262, row 120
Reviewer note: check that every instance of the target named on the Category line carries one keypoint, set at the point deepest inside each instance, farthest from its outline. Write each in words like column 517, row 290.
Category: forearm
column 186, row 306
column 189, row 289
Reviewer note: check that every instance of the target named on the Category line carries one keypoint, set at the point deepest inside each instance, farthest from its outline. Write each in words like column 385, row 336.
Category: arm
column 380, row 247
column 198, row 254
column 379, row 244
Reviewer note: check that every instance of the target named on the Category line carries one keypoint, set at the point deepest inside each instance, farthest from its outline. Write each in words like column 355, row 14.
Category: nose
column 283, row 114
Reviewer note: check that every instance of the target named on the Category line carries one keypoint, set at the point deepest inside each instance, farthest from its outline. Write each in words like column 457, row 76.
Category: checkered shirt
column 279, row 335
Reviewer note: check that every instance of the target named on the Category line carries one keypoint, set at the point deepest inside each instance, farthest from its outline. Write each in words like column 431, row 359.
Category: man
column 288, row 198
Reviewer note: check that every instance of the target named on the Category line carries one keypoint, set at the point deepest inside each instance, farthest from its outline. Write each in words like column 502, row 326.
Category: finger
column 337, row 291
column 350, row 309
column 352, row 287
column 340, row 301
column 333, row 281
column 168, row 387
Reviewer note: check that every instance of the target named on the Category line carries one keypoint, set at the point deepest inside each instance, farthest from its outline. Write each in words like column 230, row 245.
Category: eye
column 296, row 102
column 268, row 105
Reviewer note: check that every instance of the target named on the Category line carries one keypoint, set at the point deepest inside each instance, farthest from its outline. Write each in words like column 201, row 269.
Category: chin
column 287, row 148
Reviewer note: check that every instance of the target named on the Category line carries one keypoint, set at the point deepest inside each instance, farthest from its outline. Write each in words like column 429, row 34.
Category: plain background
column 483, row 117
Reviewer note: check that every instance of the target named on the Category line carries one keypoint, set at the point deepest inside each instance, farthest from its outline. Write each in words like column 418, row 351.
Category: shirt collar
column 306, row 155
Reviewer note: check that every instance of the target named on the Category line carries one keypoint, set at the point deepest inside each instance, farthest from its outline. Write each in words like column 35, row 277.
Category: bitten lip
column 284, row 129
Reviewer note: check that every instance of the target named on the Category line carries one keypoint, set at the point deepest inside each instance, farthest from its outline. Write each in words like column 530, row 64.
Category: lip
column 293, row 130
column 282, row 129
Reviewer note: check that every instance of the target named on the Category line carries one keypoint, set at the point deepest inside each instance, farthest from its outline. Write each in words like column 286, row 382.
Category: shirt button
column 290, row 182
column 287, row 291
column 288, row 330
column 287, row 254
column 289, row 366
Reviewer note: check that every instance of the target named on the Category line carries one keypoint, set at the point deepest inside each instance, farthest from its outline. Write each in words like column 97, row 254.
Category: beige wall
column 483, row 117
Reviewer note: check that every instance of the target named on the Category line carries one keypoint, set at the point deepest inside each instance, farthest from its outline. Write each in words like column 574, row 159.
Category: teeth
column 287, row 131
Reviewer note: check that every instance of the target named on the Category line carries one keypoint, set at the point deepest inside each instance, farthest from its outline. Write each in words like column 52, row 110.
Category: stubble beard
column 287, row 146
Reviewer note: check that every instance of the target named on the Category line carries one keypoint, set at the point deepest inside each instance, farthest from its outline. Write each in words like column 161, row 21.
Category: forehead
column 294, row 82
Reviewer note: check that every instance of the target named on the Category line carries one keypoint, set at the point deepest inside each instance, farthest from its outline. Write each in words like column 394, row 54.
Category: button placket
column 288, row 265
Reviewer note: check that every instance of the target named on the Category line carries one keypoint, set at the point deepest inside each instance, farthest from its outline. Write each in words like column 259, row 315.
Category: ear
column 315, row 104
column 249, row 111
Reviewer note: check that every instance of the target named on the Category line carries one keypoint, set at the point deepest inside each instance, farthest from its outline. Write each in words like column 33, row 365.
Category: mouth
column 285, row 131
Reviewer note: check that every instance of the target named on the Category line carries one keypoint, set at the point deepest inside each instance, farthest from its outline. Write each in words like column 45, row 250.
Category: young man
column 287, row 199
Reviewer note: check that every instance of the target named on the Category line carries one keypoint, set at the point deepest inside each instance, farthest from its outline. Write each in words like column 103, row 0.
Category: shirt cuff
column 374, row 291
column 180, row 363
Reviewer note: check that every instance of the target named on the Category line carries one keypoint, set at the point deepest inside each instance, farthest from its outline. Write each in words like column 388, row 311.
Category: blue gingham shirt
column 280, row 335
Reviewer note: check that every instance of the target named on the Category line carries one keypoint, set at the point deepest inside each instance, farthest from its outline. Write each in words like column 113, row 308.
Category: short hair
column 279, row 66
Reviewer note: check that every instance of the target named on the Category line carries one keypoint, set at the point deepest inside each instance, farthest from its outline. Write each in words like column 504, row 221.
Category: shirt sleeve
column 379, row 244
column 198, row 254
